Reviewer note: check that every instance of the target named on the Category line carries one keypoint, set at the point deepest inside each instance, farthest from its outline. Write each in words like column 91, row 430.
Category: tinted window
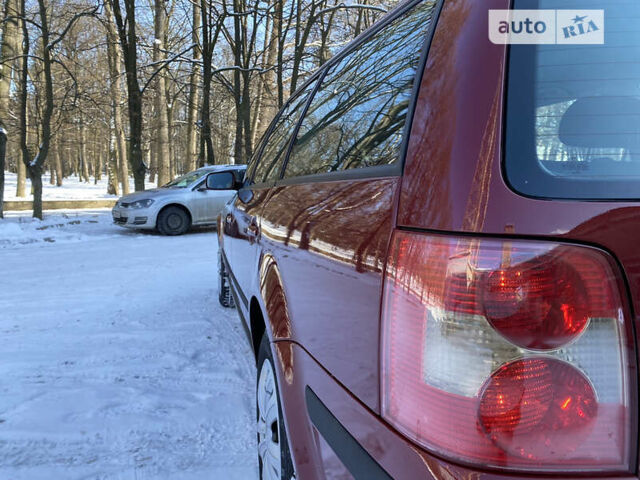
column 573, row 111
column 276, row 146
column 253, row 162
column 239, row 174
column 357, row 116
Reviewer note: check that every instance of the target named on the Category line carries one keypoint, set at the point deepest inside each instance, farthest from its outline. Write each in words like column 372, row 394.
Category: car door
column 207, row 204
column 241, row 227
column 328, row 222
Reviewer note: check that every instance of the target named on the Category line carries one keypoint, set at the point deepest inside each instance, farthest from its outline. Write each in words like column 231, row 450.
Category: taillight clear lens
column 509, row 354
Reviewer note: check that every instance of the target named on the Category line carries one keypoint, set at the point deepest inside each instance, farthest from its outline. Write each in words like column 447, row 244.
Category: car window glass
column 251, row 167
column 573, row 110
column 185, row 180
column 357, row 117
column 221, row 180
column 276, row 146
column 239, row 174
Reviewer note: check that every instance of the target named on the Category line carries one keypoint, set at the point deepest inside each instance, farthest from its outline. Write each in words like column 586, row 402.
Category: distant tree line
column 119, row 89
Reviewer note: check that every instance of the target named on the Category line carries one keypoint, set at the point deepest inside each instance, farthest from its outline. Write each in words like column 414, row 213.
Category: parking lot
column 116, row 361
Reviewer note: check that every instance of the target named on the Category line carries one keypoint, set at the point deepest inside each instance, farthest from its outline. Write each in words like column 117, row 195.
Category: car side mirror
column 221, row 181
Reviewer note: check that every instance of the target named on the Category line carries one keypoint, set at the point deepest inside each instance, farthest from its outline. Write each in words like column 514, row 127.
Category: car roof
column 212, row 168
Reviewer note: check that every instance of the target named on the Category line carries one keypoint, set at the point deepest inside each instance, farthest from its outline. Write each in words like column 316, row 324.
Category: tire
column 225, row 297
column 173, row 221
column 274, row 457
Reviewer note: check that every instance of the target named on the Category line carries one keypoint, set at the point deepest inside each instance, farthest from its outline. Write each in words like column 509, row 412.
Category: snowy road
column 116, row 361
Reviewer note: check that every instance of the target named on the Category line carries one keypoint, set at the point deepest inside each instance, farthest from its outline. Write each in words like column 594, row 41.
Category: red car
column 436, row 254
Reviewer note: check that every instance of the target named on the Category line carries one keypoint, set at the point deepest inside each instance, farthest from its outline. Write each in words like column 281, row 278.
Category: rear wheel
column 274, row 457
column 225, row 297
column 173, row 221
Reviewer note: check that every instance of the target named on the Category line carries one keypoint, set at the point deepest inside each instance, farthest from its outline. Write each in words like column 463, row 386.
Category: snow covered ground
column 116, row 361
column 71, row 189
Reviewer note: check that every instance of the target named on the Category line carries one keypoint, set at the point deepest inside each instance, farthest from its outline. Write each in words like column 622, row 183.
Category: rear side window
column 573, row 111
column 357, row 117
column 279, row 137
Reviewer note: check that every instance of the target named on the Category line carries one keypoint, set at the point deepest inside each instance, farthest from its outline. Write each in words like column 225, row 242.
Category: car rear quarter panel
column 324, row 248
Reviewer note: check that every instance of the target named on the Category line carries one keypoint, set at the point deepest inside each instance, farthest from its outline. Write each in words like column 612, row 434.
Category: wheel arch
column 271, row 308
column 175, row 204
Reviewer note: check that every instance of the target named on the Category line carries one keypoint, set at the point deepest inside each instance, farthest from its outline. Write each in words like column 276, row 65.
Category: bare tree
column 35, row 165
column 212, row 24
column 114, row 57
column 162, row 118
column 126, row 28
column 192, row 114
column 9, row 50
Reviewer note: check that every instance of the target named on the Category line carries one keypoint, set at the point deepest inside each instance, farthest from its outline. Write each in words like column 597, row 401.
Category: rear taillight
column 507, row 354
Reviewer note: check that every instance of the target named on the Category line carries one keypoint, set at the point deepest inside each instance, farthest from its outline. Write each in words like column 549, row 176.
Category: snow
column 63, row 226
column 72, row 189
column 116, row 360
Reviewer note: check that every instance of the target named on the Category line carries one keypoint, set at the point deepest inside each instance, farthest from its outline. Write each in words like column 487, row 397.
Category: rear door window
column 573, row 111
column 277, row 144
column 357, row 117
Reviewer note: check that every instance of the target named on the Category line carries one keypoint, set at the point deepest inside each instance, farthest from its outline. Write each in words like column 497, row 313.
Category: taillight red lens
column 542, row 305
column 465, row 324
column 538, row 408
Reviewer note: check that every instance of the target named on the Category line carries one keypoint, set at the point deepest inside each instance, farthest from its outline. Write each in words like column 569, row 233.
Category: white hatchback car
column 192, row 199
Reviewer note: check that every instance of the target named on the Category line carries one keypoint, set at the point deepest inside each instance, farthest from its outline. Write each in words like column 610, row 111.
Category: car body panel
column 241, row 243
column 327, row 239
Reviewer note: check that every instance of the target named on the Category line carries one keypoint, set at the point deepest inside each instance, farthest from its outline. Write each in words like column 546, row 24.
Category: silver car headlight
column 146, row 203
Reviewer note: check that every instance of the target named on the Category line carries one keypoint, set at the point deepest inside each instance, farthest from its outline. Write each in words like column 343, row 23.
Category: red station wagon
column 436, row 254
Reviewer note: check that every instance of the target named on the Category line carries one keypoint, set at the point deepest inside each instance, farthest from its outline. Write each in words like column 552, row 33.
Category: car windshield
column 185, row 180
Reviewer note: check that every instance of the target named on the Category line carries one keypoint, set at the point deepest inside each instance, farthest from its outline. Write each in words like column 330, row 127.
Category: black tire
column 287, row 469
column 173, row 221
column 225, row 297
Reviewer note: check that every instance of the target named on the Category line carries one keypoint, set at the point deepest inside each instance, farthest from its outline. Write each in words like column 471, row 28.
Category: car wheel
column 225, row 297
column 274, row 458
column 173, row 221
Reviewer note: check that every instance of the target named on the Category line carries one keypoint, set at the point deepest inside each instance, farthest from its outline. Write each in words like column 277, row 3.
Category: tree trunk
column 21, row 187
column 58, row 167
column 3, row 153
column 238, row 91
column 208, row 42
column 35, row 166
column 97, row 167
column 129, row 43
column 112, row 170
column 162, row 126
column 192, row 113
column 52, row 166
column 116, row 87
column 302, row 36
column 8, row 51
column 83, row 152
column 152, row 159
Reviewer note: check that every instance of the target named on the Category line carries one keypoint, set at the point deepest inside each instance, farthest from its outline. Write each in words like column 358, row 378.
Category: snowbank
column 59, row 226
